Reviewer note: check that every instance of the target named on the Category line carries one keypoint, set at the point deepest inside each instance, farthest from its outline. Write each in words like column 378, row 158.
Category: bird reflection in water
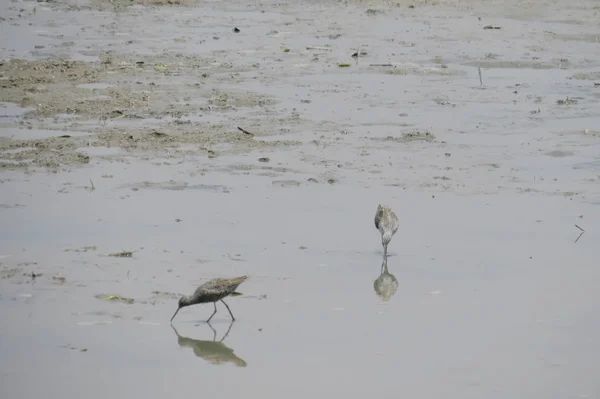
column 386, row 284
column 215, row 352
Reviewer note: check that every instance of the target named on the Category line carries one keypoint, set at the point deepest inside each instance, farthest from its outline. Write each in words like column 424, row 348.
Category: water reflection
column 215, row 352
column 386, row 284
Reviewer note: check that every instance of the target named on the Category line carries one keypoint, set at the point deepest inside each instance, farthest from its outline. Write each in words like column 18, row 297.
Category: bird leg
column 384, row 267
column 213, row 330
column 227, row 333
column 232, row 318
column 211, row 316
column 385, row 250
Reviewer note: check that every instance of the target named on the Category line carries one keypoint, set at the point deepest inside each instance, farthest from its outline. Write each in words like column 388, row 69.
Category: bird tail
column 239, row 280
column 236, row 281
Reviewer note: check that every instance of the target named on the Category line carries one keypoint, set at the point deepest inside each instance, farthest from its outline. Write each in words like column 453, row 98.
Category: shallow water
column 494, row 295
column 497, row 286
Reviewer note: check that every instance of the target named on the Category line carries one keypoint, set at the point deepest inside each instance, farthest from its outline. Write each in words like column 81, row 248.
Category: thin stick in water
column 580, row 234
column 245, row 131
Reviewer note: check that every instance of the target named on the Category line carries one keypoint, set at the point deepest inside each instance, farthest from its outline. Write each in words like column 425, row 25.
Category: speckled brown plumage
column 387, row 224
column 212, row 291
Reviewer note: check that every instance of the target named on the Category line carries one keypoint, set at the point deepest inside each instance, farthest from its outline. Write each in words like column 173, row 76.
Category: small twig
column 381, row 65
column 245, row 131
column 318, row 48
column 480, row 78
column 92, row 183
column 124, row 254
column 580, row 234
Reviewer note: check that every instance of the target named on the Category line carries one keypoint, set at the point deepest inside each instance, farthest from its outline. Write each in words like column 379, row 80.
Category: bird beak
column 175, row 314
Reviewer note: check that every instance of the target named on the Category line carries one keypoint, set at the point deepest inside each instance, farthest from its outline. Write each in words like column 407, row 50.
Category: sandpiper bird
column 387, row 224
column 212, row 291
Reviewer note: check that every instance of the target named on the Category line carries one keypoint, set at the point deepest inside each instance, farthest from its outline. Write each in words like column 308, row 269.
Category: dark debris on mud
column 65, row 150
column 57, row 86
column 91, row 94
column 407, row 137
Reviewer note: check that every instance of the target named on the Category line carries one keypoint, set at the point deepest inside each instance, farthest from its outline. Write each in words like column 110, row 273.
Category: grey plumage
column 387, row 224
column 212, row 291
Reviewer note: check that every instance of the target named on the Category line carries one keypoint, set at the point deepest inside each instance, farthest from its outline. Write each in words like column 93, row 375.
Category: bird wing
column 220, row 285
column 214, row 286
column 395, row 222
column 378, row 216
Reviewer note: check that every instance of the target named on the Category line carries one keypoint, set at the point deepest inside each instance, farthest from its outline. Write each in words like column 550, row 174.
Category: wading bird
column 387, row 224
column 212, row 291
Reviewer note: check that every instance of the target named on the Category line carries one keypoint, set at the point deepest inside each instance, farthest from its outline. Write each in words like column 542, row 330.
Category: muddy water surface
column 125, row 182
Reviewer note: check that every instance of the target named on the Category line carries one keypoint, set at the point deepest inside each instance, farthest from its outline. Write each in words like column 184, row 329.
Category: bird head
column 182, row 303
